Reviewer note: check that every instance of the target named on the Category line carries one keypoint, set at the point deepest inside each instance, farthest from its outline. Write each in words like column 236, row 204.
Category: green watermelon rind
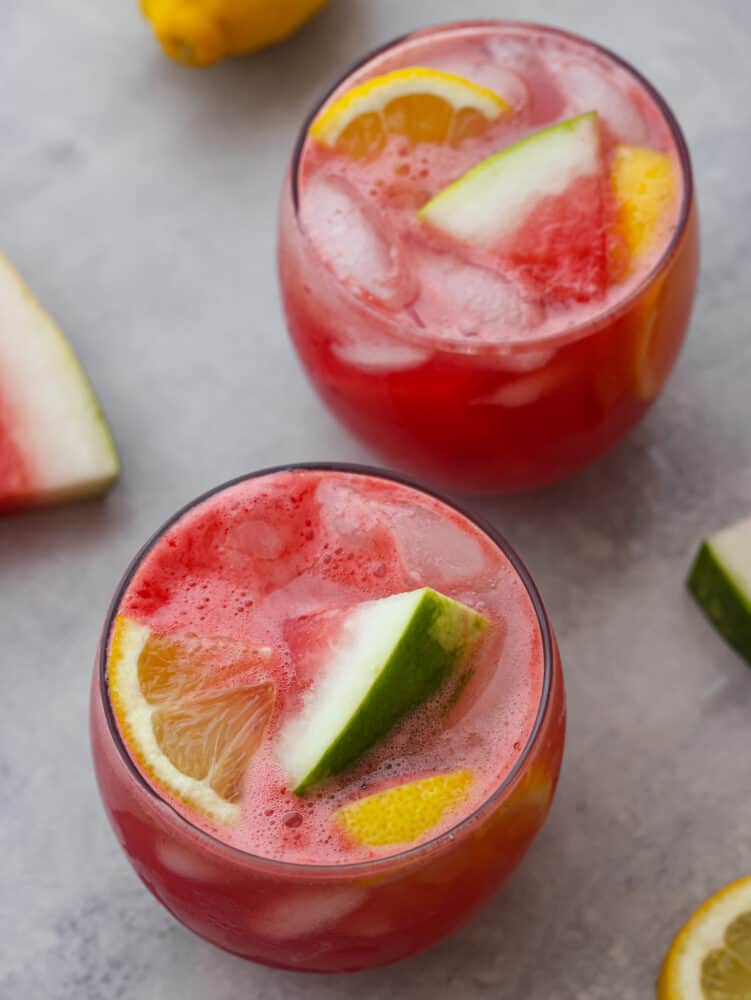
column 722, row 597
column 438, row 636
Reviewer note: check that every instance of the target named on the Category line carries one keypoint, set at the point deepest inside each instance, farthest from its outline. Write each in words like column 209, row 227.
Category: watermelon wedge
column 539, row 208
column 720, row 580
column 391, row 655
column 54, row 442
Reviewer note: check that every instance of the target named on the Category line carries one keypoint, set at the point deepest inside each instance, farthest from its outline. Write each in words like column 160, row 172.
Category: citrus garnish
column 423, row 105
column 644, row 186
column 653, row 349
column 710, row 958
column 191, row 736
column 403, row 813
column 200, row 32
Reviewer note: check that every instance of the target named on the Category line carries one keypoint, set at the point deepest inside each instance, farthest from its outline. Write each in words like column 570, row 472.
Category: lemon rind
column 134, row 714
column 680, row 977
column 349, row 817
column 659, row 171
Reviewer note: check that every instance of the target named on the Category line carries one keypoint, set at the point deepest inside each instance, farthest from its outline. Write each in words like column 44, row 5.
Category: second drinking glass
column 488, row 252
column 236, row 648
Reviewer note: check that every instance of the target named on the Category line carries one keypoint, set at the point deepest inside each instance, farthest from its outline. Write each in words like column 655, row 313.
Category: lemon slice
column 405, row 812
column 193, row 738
column 424, row 105
column 644, row 184
column 710, row 959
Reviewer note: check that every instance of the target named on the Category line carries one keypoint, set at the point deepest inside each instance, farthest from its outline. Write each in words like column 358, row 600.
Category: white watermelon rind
column 393, row 654
column 492, row 199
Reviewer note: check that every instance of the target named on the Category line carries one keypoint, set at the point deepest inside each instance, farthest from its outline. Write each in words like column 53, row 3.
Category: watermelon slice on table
column 539, row 208
column 54, row 442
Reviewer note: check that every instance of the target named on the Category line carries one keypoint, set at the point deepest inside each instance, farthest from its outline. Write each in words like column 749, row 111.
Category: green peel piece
column 391, row 655
column 720, row 580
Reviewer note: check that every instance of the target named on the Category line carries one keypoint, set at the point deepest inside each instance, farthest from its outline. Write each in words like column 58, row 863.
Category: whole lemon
column 200, row 32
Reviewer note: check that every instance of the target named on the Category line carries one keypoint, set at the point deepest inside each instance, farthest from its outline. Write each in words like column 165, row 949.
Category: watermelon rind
column 49, row 413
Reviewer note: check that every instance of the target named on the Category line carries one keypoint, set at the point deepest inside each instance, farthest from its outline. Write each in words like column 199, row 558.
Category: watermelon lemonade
column 327, row 718
column 488, row 252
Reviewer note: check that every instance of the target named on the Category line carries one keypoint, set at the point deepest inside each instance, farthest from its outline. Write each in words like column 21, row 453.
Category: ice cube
column 374, row 355
column 479, row 66
column 178, row 861
column 370, row 924
column 296, row 915
column 524, row 361
column 527, row 389
column 435, row 551
column 351, row 237
column 461, row 299
column 544, row 102
column 513, row 53
column 587, row 87
column 344, row 512
column 256, row 538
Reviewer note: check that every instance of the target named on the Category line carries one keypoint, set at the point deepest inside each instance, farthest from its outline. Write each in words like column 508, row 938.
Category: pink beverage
column 515, row 334
column 239, row 602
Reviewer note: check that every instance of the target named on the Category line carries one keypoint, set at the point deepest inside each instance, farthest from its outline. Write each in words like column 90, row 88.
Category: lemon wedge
column 404, row 813
column 421, row 104
column 644, row 185
column 192, row 738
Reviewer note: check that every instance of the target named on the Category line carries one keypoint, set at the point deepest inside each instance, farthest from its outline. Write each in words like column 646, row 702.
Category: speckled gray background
column 139, row 200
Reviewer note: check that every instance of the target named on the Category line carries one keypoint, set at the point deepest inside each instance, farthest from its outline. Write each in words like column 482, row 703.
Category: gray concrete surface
column 139, row 200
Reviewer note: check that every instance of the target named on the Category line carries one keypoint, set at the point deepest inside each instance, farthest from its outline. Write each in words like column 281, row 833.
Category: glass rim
column 355, row 867
column 402, row 330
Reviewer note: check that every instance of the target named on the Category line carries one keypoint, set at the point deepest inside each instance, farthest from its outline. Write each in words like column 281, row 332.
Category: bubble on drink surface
column 460, row 299
column 350, row 237
column 588, row 86
column 435, row 550
column 298, row 914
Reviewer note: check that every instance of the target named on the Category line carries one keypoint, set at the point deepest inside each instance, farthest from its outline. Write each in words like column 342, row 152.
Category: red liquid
column 270, row 563
column 467, row 368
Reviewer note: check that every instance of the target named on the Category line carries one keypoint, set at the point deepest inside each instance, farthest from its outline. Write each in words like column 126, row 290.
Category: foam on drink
column 274, row 563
